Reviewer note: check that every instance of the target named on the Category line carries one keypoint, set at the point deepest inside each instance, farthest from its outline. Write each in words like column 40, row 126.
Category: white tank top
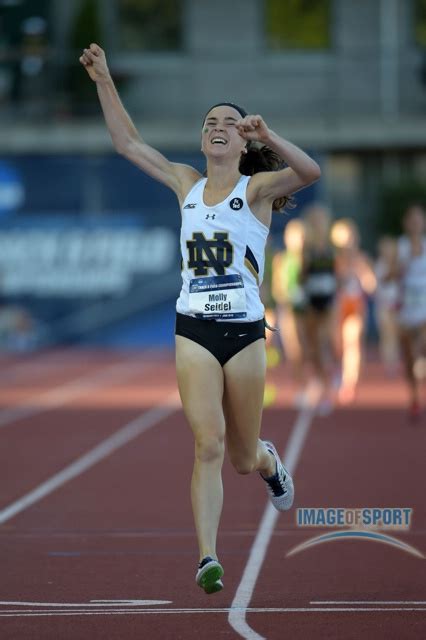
column 413, row 294
column 222, row 250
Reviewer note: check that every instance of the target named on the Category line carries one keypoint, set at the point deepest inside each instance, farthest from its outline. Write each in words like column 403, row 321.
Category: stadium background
column 88, row 244
column 96, row 531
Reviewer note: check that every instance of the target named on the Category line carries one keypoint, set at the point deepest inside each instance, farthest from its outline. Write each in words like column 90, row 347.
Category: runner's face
column 220, row 138
column 294, row 236
column 343, row 236
column 414, row 221
column 387, row 249
column 319, row 220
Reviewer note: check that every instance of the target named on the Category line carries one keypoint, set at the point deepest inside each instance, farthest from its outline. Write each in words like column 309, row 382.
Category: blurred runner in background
column 273, row 355
column 355, row 280
column 289, row 296
column 386, row 301
column 412, row 313
column 319, row 283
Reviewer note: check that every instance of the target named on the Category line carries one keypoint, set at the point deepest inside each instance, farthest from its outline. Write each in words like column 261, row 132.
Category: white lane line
column 374, row 602
column 117, row 440
column 42, row 402
column 131, row 612
column 87, row 605
column 243, row 595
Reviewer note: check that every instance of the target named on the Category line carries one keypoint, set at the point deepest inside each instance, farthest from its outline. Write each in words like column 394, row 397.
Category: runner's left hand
column 252, row 128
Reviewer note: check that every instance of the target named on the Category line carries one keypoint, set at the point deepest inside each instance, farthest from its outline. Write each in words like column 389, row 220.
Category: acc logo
column 236, row 203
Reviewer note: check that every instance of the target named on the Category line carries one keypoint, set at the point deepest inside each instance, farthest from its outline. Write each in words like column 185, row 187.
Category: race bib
column 216, row 297
column 321, row 284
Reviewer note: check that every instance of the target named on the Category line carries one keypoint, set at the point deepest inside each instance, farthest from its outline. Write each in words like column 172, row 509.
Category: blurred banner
column 67, row 257
column 79, row 252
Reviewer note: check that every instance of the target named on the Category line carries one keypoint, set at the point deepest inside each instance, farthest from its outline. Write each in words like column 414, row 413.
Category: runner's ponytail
column 262, row 158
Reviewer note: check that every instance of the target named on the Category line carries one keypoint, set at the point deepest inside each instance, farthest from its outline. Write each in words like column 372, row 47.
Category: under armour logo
column 212, row 216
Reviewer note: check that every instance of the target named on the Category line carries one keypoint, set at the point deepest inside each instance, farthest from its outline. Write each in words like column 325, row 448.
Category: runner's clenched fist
column 253, row 128
column 94, row 61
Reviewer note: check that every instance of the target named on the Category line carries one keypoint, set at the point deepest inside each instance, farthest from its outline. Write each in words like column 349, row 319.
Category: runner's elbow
column 314, row 172
column 124, row 146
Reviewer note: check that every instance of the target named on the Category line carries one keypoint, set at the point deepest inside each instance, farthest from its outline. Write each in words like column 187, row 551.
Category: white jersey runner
column 222, row 250
column 413, row 286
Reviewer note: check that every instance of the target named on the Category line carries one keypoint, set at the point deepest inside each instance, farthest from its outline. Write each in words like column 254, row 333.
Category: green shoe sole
column 210, row 580
column 215, row 587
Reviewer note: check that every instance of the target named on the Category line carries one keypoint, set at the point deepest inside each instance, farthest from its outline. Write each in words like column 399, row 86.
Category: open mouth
column 219, row 140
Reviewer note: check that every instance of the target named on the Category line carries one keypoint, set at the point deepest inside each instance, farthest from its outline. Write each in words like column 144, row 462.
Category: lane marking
column 92, row 603
column 375, row 602
column 106, row 447
column 43, row 402
column 39, row 532
column 131, row 612
column 243, row 595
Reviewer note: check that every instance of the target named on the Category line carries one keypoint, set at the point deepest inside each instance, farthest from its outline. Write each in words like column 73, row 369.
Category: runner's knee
column 243, row 465
column 209, row 447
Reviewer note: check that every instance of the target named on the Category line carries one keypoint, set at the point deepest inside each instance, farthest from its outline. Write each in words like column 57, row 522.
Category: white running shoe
column 280, row 486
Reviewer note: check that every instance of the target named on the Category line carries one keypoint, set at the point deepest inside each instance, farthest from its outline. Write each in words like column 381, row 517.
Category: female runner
column 356, row 281
column 220, row 352
column 290, row 299
column 320, row 283
column 386, row 301
column 412, row 312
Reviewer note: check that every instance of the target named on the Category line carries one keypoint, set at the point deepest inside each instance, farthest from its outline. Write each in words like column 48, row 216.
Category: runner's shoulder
column 187, row 176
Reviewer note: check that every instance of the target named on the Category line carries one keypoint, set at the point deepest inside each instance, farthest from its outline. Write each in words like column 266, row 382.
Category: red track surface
column 122, row 529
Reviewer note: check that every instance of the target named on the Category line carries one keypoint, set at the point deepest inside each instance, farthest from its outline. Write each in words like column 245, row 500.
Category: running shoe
column 280, row 486
column 209, row 575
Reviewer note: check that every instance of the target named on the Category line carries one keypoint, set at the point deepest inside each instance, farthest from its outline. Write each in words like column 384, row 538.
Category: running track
column 96, row 528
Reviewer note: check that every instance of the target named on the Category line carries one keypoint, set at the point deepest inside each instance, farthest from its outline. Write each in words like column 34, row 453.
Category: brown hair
column 263, row 158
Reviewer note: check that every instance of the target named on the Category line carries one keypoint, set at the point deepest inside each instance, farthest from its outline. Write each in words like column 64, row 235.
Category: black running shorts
column 223, row 339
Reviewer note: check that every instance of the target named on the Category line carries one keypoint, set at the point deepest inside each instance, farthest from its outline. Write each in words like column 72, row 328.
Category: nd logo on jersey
column 207, row 254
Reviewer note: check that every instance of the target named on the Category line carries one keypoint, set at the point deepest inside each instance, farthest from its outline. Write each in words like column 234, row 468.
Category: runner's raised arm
column 124, row 134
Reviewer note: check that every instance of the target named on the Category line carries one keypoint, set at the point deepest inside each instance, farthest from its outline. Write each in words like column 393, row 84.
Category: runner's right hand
column 94, row 61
